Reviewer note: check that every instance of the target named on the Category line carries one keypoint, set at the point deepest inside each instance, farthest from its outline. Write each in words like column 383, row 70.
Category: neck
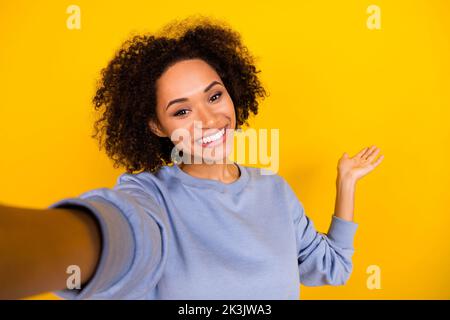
column 223, row 172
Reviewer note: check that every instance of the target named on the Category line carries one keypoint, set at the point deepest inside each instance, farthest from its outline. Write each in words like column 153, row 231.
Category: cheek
column 181, row 132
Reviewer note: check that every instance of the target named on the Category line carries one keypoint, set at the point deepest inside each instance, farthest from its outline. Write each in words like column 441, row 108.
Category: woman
column 191, row 224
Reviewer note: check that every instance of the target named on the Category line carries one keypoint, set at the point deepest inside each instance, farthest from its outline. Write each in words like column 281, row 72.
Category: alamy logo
column 74, row 280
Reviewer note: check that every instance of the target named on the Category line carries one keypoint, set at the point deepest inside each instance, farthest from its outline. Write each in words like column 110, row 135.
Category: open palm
column 360, row 164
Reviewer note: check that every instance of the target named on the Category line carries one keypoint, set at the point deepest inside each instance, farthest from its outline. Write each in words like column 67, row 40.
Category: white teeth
column 214, row 137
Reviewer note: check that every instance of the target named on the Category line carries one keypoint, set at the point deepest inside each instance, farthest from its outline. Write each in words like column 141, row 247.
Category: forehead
column 185, row 78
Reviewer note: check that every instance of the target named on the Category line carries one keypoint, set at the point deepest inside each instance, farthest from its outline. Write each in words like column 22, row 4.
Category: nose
column 208, row 118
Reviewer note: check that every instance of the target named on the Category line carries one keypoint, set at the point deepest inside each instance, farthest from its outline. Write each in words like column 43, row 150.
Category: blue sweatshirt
column 169, row 235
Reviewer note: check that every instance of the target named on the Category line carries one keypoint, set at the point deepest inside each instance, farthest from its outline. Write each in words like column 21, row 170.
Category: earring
column 175, row 156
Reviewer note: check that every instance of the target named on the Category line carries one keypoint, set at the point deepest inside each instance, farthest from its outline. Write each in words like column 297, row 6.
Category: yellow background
column 335, row 86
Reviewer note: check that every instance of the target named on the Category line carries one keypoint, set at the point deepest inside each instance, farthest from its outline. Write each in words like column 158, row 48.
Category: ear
column 156, row 128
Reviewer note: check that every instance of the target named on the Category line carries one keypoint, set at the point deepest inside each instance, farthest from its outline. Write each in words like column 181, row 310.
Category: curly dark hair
column 126, row 91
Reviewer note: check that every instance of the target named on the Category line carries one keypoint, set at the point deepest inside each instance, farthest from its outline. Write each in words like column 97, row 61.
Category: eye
column 180, row 113
column 218, row 94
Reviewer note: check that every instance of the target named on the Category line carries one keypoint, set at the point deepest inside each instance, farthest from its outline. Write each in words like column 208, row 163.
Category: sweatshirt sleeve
column 134, row 242
column 323, row 259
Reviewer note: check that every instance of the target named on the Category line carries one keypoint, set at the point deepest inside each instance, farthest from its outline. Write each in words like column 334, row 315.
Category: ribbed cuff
column 342, row 232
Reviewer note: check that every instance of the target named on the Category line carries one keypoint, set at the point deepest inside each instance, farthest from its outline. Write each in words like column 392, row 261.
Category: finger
column 378, row 161
column 369, row 152
column 359, row 154
column 373, row 154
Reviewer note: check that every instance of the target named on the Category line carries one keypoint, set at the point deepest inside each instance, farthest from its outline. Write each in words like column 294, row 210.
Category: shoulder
column 268, row 177
column 146, row 179
column 264, row 176
column 145, row 183
column 134, row 181
column 274, row 187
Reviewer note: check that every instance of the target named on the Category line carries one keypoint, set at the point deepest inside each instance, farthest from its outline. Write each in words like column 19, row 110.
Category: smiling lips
column 205, row 141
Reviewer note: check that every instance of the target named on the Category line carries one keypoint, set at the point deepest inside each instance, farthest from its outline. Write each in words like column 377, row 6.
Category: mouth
column 213, row 139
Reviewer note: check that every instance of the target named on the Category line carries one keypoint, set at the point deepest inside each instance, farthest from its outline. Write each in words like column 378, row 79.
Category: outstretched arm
column 37, row 246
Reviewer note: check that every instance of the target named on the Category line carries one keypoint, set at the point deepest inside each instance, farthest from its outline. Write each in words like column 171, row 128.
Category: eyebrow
column 185, row 99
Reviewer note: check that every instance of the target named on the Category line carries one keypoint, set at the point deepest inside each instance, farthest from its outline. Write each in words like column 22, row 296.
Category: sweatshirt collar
column 233, row 187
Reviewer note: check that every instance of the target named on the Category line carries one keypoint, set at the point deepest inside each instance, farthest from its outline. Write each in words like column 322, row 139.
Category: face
column 195, row 110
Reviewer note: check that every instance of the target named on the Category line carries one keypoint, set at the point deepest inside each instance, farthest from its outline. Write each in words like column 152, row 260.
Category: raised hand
column 356, row 167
